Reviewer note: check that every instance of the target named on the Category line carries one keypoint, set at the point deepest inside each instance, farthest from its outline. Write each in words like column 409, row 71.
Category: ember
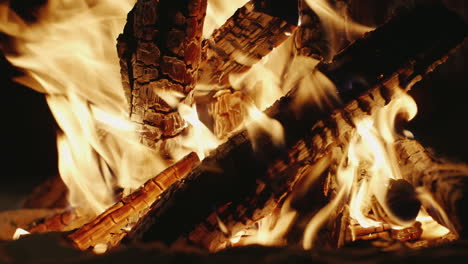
column 211, row 125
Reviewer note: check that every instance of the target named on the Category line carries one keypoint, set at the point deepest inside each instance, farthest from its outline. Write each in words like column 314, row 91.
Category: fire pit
column 282, row 124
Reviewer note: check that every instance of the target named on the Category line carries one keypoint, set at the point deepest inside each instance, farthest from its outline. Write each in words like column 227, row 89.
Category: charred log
column 61, row 222
column 245, row 183
column 249, row 35
column 159, row 52
column 109, row 227
column 446, row 182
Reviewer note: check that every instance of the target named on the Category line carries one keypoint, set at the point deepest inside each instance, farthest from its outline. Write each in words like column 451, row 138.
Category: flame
column 431, row 229
column 258, row 122
column 69, row 54
column 372, row 145
column 217, row 12
column 263, row 82
column 198, row 138
column 336, row 22
column 19, row 232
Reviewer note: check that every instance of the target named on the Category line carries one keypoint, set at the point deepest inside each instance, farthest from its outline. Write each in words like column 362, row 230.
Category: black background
column 30, row 155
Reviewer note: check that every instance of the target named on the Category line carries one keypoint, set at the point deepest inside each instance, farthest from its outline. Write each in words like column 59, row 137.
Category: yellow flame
column 198, row 137
column 269, row 231
column 259, row 122
column 431, row 229
column 372, row 144
column 70, row 55
column 217, row 12
column 336, row 22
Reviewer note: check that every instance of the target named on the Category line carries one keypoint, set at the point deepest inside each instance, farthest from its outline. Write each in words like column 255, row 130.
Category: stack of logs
column 161, row 50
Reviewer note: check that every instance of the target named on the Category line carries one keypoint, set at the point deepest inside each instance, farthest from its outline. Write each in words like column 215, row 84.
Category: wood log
column 61, row 222
column 228, row 110
column 249, row 35
column 159, row 51
column 50, row 194
column 11, row 220
column 110, row 226
column 312, row 38
column 245, row 184
column 446, row 182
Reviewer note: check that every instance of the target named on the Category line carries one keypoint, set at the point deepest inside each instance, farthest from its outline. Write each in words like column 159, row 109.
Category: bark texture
column 110, row 226
column 249, row 35
column 251, row 181
column 446, row 182
column 159, row 53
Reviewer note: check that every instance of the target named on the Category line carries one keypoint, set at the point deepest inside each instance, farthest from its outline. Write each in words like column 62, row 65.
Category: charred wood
column 228, row 110
column 159, row 52
column 61, row 222
column 446, row 182
column 313, row 38
column 110, row 226
column 249, row 35
column 246, row 184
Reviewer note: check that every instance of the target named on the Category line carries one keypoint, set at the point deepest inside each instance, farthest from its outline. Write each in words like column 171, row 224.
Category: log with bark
column 246, row 37
column 237, row 184
column 311, row 37
column 446, row 182
column 159, row 53
column 111, row 226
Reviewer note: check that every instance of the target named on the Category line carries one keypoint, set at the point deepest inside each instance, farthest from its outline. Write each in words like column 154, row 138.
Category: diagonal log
column 159, row 51
column 246, row 37
column 249, row 183
column 446, row 182
column 110, row 226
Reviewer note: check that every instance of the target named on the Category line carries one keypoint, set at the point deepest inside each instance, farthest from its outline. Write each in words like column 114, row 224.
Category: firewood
column 228, row 110
column 159, row 51
column 11, row 220
column 249, row 35
column 61, row 222
column 237, row 184
column 313, row 38
column 50, row 194
column 109, row 227
column 310, row 39
column 447, row 183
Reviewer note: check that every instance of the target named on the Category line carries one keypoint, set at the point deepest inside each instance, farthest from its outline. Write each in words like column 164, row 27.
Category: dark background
column 30, row 154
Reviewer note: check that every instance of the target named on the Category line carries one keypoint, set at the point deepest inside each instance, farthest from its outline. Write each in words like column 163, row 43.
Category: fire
column 199, row 138
column 70, row 55
column 19, row 233
column 217, row 12
column 336, row 22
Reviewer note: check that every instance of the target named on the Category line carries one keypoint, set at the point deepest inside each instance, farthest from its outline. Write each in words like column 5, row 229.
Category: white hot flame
column 19, row 232
column 70, row 55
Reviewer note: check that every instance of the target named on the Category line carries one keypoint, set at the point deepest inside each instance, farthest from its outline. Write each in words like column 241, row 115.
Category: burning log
column 110, row 227
column 64, row 221
column 228, row 110
column 447, row 183
column 245, row 183
column 249, row 35
column 159, row 52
